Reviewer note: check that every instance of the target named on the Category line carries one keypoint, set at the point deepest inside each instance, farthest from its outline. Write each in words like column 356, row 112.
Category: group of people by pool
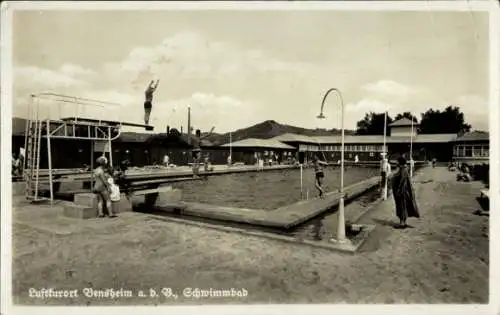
column 107, row 183
column 401, row 184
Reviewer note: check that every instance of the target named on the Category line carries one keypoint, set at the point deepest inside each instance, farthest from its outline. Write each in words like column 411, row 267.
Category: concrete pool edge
column 350, row 247
column 285, row 217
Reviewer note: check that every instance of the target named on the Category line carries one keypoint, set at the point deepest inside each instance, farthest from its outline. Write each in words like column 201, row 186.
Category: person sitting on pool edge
column 319, row 174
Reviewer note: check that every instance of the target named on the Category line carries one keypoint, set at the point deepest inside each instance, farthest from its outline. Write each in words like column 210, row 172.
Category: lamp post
column 411, row 150
column 230, row 159
column 189, row 124
column 385, row 158
column 341, row 238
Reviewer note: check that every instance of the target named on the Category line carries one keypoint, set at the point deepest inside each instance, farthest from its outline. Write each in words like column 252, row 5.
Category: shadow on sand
column 392, row 224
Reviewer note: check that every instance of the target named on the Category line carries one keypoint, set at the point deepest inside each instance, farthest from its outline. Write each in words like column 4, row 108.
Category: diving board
column 105, row 122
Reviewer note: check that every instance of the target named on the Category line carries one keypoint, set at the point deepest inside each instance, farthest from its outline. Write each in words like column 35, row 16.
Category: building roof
column 378, row 139
column 348, row 139
column 371, row 139
column 259, row 143
column 137, row 137
column 292, row 137
column 403, row 122
column 473, row 136
column 424, row 138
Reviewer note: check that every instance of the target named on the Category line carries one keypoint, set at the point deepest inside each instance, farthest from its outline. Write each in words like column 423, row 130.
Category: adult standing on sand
column 102, row 188
column 196, row 153
column 319, row 175
column 404, row 195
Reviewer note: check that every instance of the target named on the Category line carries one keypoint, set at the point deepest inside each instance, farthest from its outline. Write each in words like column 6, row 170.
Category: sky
column 239, row 68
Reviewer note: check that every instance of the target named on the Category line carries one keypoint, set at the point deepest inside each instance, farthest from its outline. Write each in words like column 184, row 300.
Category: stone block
column 73, row 210
column 156, row 197
column 124, row 205
column 86, row 199
column 169, row 197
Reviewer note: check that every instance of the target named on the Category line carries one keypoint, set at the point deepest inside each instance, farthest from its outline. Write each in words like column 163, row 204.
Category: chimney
column 181, row 130
column 189, row 124
column 168, row 130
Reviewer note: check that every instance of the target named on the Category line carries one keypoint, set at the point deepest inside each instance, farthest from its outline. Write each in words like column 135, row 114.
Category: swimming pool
column 266, row 190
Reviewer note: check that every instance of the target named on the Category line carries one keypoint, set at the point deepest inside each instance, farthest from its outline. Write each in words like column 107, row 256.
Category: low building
column 472, row 147
column 248, row 150
column 401, row 140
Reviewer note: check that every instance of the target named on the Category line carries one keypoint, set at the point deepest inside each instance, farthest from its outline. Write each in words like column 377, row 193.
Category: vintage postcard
column 250, row 157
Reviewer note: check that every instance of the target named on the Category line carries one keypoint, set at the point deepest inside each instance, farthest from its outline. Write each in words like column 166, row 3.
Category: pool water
column 266, row 190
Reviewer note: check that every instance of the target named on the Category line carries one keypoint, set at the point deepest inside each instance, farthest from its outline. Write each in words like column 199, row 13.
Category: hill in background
column 269, row 129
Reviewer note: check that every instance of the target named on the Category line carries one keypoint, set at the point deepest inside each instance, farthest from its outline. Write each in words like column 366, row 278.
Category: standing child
column 319, row 174
column 114, row 196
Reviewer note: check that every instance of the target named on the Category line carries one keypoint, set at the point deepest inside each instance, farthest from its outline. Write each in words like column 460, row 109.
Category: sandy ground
column 442, row 259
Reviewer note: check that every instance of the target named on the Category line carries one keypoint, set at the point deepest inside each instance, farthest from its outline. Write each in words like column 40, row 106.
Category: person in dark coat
column 404, row 195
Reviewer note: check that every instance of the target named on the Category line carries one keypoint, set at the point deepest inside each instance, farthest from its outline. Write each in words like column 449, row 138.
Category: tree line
column 449, row 120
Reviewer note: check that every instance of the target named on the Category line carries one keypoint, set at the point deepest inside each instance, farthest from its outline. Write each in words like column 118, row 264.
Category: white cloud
column 190, row 55
column 367, row 105
column 75, row 70
column 388, row 88
column 35, row 78
column 179, row 58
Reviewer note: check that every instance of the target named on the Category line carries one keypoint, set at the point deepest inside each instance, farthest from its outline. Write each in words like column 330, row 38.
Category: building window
column 477, row 150
column 371, row 154
column 468, row 151
column 485, row 150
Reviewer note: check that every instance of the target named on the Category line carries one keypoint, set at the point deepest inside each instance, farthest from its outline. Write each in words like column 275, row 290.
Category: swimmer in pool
column 319, row 174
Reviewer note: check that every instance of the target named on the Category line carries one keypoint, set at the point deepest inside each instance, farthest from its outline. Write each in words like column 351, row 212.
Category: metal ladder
column 33, row 137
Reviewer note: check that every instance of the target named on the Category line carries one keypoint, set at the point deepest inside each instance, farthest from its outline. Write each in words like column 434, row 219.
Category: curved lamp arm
column 321, row 115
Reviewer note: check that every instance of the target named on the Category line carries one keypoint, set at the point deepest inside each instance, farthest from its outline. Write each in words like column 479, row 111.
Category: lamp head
column 321, row 116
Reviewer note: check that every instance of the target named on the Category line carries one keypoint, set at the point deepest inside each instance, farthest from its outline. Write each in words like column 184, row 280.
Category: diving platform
column 43, row 124
column 101, row 122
